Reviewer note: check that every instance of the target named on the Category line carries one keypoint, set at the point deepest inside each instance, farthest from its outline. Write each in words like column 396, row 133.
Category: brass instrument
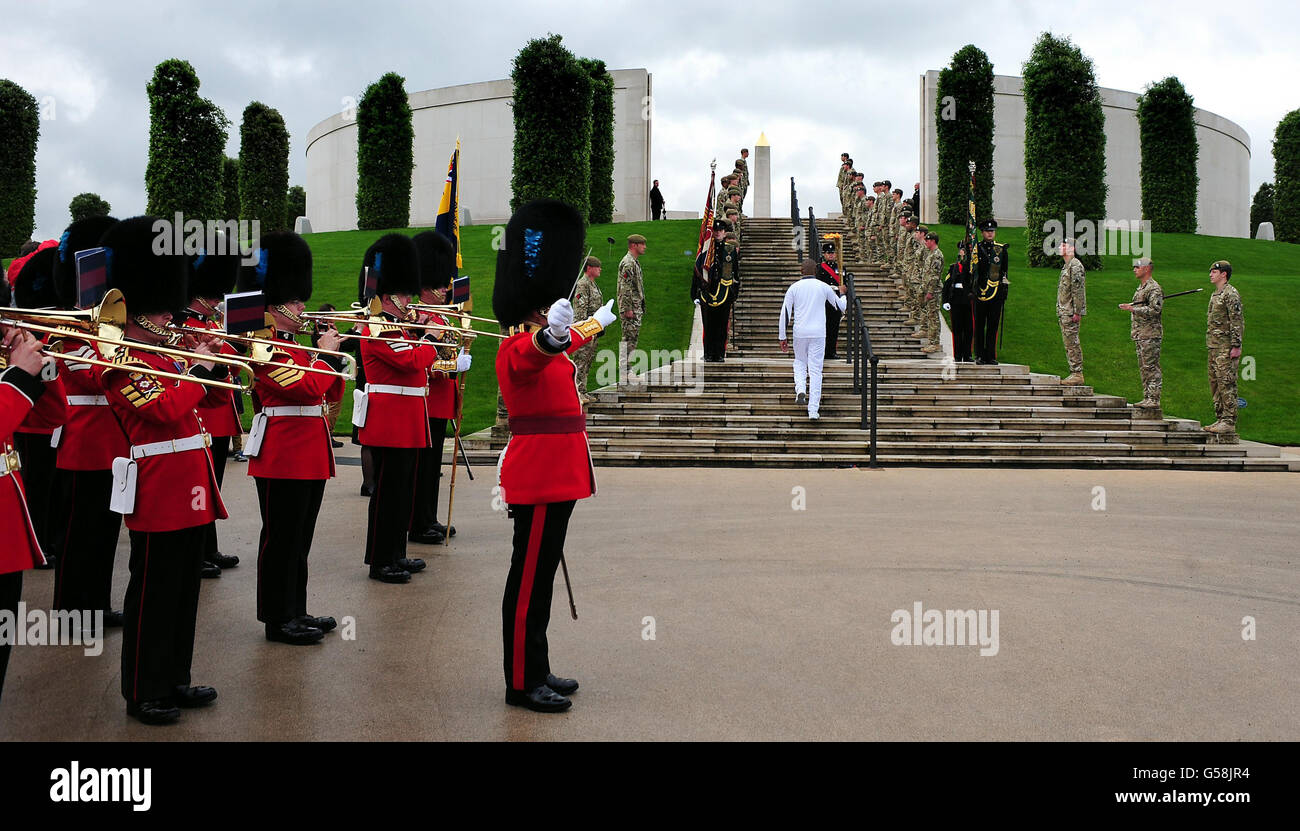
column 262, row 342
column 356, row 315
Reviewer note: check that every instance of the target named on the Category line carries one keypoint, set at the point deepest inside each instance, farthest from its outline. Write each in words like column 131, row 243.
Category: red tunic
column 19, row 549
column 537, row 386
column 175, row 490
column 91, row 438
column 392, row 419
column 222, row 419
column 442, row 385
column 50, row 412
column 295, row 446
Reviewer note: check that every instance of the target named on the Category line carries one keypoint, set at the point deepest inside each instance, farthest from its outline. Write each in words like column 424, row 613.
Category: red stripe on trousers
column 526, row 592
column 139, row 625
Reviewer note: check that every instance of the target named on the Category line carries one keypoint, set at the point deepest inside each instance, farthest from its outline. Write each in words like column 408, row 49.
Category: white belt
column 420, row 392
column 88, row 400
column 317, row 410
column 198, row 441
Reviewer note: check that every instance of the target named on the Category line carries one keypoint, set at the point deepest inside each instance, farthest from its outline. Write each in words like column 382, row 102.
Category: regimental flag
column 448, row 221
column 245, row 312
column 92, row 277
column 972, row 250
column 706, row 226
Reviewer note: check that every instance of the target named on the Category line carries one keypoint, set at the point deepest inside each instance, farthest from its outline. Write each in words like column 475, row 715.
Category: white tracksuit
column 805, row 304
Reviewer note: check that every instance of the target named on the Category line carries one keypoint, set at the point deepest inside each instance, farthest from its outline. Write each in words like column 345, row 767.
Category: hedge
column 20, row 128
column 295, row 204
column 88, row 204
column 263, row 167
column 187, row 143
column 230, row 188
column 965, row 136
column 1167, row 127
column 1261, row 208
column 1065, row 145
column 1286, row 178
column 385, row 155
column 602, row 141
column 552, row 112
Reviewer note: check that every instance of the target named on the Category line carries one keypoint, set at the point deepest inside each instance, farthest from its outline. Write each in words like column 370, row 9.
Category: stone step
column 907, row 448
column 811, row 431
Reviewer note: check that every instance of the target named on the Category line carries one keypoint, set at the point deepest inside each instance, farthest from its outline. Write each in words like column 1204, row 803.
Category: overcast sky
column 817, row 77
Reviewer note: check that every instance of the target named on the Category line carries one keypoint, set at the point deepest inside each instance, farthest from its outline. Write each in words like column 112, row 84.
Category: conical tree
column 20, row 127
column 1167, row 126
column 602, row 141
column 552, row 110
column 1286, row 176
column 963, row 120
column 187, row 143
column 385, row 155
column 263, row 167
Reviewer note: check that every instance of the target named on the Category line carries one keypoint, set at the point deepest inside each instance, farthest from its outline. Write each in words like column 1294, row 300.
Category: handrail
column 794, row 218
column 860, row 347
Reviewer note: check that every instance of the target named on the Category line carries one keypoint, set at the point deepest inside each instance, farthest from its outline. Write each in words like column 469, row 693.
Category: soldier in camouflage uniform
column 720, row 205
column 734, row 197
column 1071, row 306
column 929, row 290
column 906, row 224
column 862, row 210
column 631, row 300
column 743, row 169
column 1146, row 331
column 1224, row 327
column 586, row 300
column 842, row 183
column 912, row 274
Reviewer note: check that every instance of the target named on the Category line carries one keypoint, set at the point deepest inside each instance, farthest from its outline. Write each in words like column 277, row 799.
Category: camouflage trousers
column 1148, row 354
column 913, row 294
column 582, row 361
column 631, row 334
column 1070, row 337
column 928, row 314
column 1223, row 385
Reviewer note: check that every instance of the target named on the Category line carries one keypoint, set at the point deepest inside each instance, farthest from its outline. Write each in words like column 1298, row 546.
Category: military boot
column 1074, row 379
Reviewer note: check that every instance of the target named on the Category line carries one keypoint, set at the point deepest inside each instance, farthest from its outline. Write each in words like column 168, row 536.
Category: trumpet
column 355, row 318
column 261, row 343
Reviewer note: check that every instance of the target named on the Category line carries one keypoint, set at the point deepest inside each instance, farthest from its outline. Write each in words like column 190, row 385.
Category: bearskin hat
column 394, row 264
column 437, row 259
column 79, row 236
column 34, row 283
column 540, row 261
column 283, row 269
column 150, row 282
column 214, row 274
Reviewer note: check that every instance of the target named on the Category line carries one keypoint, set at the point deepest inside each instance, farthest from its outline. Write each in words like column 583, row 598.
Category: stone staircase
column 742, row 413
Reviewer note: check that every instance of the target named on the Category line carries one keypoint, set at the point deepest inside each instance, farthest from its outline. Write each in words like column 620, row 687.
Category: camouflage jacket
column 1148, row 300
column 587, row 299
column 932, row 271
column 1224, row 324
column 631, row 293
column 1070, row 297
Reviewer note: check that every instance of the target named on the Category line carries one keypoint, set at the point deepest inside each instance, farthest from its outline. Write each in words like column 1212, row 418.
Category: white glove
column 697, row 302
column 559, row 319
column 605, row 315
column 463, row 361
column 947, row 307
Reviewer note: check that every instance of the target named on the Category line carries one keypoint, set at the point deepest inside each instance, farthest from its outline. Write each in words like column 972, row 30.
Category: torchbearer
column 804, row 304
column 546, row 467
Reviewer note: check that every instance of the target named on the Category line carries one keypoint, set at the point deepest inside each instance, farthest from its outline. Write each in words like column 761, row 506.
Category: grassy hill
column 1266, row 275
column 666, row 267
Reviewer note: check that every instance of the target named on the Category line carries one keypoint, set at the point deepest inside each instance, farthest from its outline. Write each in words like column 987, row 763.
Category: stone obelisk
column 761, row 183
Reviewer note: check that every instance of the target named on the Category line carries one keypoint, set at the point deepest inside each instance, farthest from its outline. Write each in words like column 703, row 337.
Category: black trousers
column 424, row 512
column 220, row 452
column 715, row 330
column 987, row 317
column 161, row 611
column 87, row 543
column 526, row 606
column 657, row 212
column 833, row 317
column 390, row 504
column 11, row 591
column 963, row 330
column 289, row 510
column 38, row 460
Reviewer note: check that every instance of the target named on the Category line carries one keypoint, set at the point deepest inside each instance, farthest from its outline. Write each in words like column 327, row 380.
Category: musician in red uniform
column 546, row 467
column 211, row 277
column 21, row 388
column 288, row 448
column 437, row 270
column 86, row 531
column 175, row 490
column 33, row 288
column 392, row 408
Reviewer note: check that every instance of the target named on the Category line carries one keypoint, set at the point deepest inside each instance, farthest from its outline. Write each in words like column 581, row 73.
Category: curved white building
column 1223, row 160
column 479, row 114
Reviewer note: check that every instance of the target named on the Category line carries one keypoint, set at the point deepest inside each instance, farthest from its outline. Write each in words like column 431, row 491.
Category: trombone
column 355, row 317
column 264, row 338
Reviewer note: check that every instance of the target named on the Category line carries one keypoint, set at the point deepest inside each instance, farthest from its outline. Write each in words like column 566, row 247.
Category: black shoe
column 336, row 443
column 541, row 699
column 325, row 624
column 294, row 633
column 427, row 537
column 153, row 712
column 411, row 564
column 390, row 574
column 979, row 362
column 209, row 570
column 367, row 491
column 990, row 363
column 113, row 620
column 800, row 398
column 194, row 696
column 442, row 529
column 224, row 560
column 563, row 686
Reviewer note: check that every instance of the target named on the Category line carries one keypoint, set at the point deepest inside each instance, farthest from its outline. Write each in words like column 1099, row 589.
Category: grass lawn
column 1266, row 275
column 336, row 259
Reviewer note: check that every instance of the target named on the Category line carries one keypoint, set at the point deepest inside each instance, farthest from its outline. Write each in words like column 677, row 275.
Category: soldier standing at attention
column 988, row 293
column 1224, row 327
column 930, row 287
column 844, row 183
column 587, row 299
column 1071, row 306
column 1147, row 331
column 631, row 300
